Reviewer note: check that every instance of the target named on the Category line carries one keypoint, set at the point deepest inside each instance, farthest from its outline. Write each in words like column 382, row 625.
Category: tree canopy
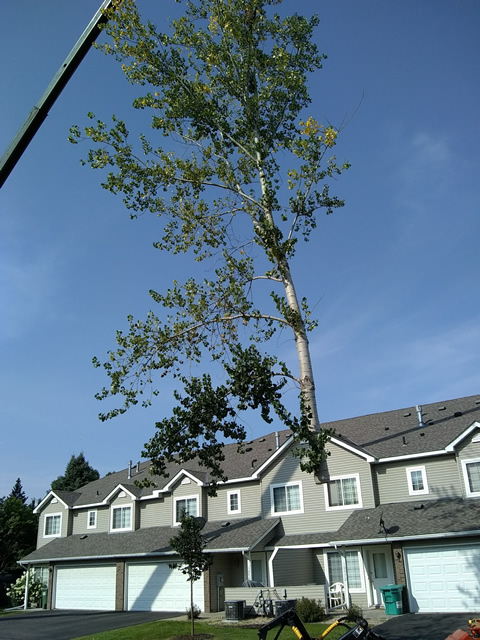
column 236, row 169
column 77, row 473
column 18, row 528
column 190, row 544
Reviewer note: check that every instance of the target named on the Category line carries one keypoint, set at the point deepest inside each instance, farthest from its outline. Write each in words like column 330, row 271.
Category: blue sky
column 393, row 276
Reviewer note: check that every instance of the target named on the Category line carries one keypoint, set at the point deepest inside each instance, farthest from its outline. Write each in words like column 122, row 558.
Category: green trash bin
column 392, row 597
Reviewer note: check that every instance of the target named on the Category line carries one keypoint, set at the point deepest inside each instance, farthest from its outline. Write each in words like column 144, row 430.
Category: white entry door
column 380, row 570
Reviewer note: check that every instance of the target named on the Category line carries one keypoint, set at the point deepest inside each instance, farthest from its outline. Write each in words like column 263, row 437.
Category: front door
column 380, row 569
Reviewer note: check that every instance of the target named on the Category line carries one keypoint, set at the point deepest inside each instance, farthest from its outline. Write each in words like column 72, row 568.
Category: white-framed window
column 417, row 481
column 343, row 492
column 53, row 525
column 286, row 498
column 122, row 518
column 233, row 502
column 471, row 477
column 353, row 565
column 92, row 520
column 188, row 505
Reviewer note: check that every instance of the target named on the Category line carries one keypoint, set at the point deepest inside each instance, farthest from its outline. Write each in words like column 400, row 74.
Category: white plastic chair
column 336, row 595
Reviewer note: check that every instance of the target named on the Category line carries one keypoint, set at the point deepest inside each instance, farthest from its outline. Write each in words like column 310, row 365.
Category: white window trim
column 229, row 509
column 411, row 490
column 175, row 521
column 286, row 484
column 343, row 507
column 52, row 535
column 91, row 526
column 361, row 567
column 465, row 463
column 121, row 506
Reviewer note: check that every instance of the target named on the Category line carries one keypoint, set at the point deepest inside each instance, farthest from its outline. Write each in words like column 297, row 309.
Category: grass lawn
column 170, row 629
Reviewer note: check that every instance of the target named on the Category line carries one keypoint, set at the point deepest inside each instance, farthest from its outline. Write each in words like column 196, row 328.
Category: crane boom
column 40, row 111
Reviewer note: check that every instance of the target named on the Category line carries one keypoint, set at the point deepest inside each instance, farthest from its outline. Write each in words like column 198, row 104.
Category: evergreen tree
column 17, row 491
column 77, row 473
column 18, row 529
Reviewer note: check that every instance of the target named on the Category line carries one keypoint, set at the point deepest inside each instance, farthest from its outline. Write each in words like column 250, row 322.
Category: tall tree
column 18, row 529
column 18, row 492
column 237, row 170
column 77, row 473
column 190, row 544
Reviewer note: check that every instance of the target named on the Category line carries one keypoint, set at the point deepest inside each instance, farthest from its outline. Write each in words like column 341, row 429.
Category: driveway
column 423, row 626
column 65, row 625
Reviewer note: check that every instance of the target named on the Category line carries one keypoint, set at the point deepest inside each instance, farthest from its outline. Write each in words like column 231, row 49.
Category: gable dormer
column 123, row 515
column 54, row 521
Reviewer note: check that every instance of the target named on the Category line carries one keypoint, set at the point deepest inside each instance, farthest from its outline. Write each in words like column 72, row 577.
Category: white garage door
column 154, row 586
column 85, row 587
column 444, row 578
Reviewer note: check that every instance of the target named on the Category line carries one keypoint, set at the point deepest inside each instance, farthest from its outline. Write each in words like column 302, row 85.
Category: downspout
column 271, row 575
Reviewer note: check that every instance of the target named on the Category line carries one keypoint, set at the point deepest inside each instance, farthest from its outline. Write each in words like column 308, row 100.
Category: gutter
column 424, row 537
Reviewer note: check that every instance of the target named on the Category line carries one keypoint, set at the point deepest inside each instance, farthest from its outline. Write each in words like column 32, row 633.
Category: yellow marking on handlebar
column 328, row 629
column 297, row 632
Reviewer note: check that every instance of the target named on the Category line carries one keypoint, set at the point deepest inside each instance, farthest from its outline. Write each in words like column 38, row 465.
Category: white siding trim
column 52, row 535
column 411, row 490
column 468, row 492
column 231, row 511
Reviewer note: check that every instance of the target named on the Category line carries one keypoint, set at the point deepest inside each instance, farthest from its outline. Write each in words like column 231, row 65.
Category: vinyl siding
column 80, row 520
column 249, row 502
column 156, row 513
column 315, row 517
column 50, row 509
column 294, row 567
column 442, row 478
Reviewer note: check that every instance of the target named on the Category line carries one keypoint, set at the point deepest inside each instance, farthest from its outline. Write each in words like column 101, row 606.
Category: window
column 53, row 525
column 286, row 498
column 233, row 502
column 352, row 563
column 471, row 477
column 343, row 492
column 122, row 518
column 185, row 506
column 417, row 481
column 91, row 520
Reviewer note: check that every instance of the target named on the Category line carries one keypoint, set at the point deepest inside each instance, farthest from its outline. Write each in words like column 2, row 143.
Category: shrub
column 310, row 610
column 16, row 592
column 354, row 612
column 196, row 612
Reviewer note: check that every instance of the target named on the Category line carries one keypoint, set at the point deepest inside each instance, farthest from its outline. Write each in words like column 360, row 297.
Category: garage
column 443, row 578
column 85, row 587
column 154, row 586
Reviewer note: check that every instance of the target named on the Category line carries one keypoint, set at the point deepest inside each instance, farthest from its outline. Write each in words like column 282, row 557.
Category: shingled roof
column 427, row 519
column 237, row 535
column 386, row 435
column 398, row 433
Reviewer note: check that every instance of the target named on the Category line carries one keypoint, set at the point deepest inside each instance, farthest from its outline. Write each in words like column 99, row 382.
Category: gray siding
column 294, row 567
column 155, row 513
column 442, row 478
column 315, row 517
column 50, row 509
column 80, row 520
column 249, row 502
